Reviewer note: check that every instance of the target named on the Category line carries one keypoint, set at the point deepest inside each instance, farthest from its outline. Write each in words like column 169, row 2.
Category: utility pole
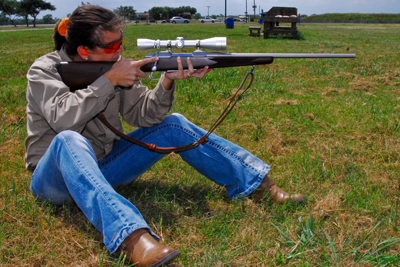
column 225, row 12
column 254, row 8
column 208, row 11
column 246, row 11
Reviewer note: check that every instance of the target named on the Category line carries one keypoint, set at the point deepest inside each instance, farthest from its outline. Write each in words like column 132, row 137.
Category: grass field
column 328, row 127
column 24, row 27
column 355, row 17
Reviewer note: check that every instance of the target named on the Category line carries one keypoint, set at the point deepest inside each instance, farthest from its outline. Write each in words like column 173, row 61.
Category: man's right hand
column 126, row 71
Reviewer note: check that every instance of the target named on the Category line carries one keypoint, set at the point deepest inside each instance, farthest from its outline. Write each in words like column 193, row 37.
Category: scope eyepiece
column 215, row 43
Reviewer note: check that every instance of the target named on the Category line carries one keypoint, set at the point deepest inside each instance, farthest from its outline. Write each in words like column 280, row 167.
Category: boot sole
column 167, row 259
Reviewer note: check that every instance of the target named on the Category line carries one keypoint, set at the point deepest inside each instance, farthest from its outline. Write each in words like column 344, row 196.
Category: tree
column 10, row 9
column 48, row 19
column 186, row 9
column 196, row 16
column 127, row 12
column 171, row 11
column 156, row 11
column 33, row 8
column 4, row 20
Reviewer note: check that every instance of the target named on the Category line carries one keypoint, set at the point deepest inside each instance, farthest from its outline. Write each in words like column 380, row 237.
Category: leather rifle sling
column 166, row 150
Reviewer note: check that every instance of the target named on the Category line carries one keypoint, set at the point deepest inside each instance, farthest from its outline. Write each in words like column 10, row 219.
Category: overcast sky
column 238, row 7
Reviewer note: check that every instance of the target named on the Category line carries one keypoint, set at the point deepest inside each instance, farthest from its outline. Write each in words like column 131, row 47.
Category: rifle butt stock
column 78, row 75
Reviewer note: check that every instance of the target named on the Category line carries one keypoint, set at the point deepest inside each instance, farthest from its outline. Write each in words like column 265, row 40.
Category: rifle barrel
column 225, row 60
column 294, row 55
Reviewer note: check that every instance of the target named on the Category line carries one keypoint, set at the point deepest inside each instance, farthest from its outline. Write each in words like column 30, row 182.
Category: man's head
column 92, row 32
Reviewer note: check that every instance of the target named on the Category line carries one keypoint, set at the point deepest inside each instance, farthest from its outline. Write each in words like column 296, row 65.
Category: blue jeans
column 69, row 171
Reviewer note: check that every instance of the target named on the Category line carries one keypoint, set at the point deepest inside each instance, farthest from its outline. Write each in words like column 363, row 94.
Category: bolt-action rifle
column 77, row 75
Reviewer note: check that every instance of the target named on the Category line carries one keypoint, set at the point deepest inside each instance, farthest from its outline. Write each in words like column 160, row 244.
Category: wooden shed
column 276, row 15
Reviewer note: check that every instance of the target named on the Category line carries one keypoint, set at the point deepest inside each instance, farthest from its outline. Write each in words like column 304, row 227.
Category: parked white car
column 179, row 20
column 207, row 19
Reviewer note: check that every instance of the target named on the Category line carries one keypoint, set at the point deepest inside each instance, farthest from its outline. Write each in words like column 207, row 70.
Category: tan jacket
column 52, row 108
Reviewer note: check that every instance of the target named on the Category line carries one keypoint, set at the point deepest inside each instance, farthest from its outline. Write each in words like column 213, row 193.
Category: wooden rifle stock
column 78, row 75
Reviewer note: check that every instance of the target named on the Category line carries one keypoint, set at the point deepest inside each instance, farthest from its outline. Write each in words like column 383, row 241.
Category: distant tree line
column 47, row 19
column 17, row 12
column 12, row 11
column 166, row 12
column 157, row 12
column 127, row 12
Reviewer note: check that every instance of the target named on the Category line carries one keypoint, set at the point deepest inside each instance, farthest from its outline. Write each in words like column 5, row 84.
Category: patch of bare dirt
column 281, row 102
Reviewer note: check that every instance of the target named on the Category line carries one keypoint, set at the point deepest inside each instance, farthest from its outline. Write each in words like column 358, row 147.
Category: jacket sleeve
column 62, row 109
column 142, row 107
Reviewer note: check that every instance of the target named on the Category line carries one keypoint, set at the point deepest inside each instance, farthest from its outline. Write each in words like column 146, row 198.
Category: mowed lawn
column 329, row 128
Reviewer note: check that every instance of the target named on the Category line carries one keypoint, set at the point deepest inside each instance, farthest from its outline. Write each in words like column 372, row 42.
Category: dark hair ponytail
column 85, row 27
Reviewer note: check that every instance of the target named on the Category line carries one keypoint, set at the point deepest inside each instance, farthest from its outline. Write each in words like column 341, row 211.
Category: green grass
column 24, row 27
column 328, row 127
column 354, row 16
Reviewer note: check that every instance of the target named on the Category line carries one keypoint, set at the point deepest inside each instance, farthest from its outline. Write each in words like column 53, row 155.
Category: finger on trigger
column 147, row 60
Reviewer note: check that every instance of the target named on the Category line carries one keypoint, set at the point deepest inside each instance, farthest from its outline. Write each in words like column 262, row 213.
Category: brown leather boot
column 143, row 250
column 268, row 190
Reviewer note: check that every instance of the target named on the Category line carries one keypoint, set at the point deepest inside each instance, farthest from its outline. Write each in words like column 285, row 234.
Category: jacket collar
column 63, row 54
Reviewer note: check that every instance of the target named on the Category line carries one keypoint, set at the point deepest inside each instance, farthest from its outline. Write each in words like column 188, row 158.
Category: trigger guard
column 156, row 79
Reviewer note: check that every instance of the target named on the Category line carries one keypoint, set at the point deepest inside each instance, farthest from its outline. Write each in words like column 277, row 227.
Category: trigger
column 154, row 68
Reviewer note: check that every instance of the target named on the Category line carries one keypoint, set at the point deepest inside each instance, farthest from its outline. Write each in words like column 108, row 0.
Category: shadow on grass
column 158, row 201
column 280, row 36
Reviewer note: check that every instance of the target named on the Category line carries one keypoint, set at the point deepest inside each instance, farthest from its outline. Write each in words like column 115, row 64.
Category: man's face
column 111, row 47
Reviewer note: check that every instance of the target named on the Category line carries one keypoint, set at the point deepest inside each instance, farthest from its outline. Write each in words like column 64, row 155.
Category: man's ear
column 82, row 51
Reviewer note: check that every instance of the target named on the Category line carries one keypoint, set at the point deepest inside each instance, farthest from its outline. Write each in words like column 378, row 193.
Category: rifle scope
column 215, row 43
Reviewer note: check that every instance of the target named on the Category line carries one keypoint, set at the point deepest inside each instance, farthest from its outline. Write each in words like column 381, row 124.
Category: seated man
column 73, row 156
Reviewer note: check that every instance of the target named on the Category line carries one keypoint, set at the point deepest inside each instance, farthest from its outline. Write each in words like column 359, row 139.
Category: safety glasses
column 113, row 46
